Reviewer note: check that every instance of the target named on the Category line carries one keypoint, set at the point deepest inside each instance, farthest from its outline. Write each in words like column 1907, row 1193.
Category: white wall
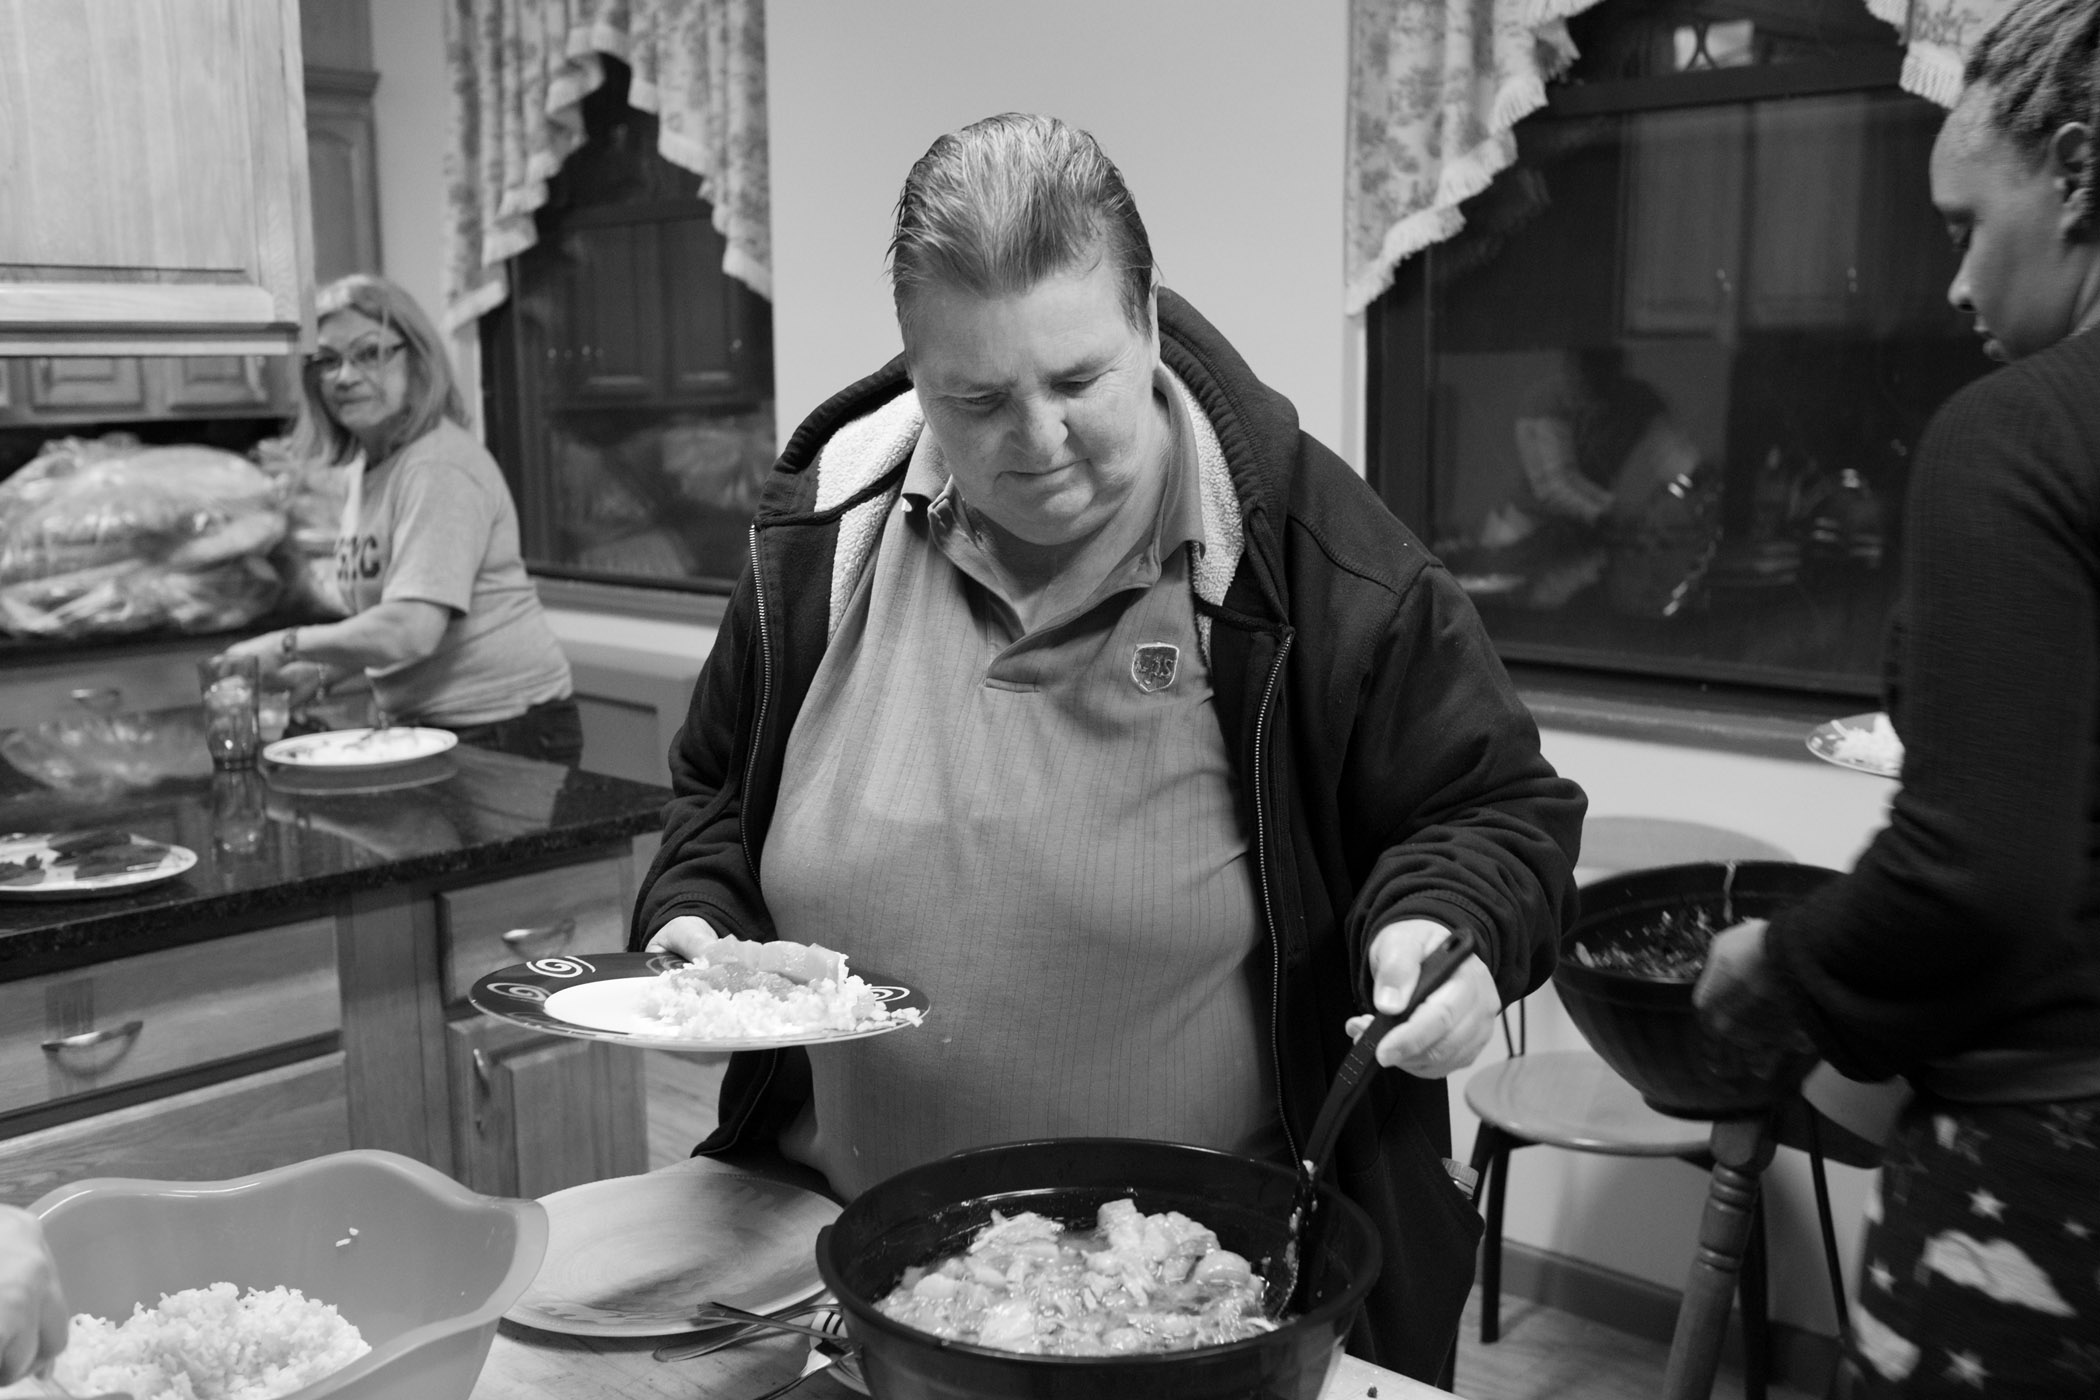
column 412, row 119
column 1225, row 116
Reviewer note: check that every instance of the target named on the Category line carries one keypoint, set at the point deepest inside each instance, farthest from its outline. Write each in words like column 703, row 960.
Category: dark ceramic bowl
column 1645, row 1027
column 918, row 1216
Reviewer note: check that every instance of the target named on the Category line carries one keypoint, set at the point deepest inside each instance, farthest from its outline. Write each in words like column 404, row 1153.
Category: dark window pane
column 1677, row 362
column 630, row 380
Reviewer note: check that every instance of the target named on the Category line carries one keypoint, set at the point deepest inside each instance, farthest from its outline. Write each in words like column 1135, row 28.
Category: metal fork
column 730, row 1326
column 836, row 1356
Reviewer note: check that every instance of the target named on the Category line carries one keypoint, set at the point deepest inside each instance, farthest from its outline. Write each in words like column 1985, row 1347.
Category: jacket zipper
column 758, row 728
column 765, row 697
column 1268, row 905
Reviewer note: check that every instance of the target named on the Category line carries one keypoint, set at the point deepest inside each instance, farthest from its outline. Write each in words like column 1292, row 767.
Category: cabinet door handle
column 560, row 932
column 483, row 1071
column 86, row 1039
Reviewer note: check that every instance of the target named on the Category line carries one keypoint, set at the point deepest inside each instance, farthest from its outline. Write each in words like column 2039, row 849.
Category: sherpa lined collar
column 867, row 448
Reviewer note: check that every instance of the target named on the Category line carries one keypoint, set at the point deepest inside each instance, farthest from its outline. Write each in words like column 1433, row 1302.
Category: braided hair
column 2041, row 60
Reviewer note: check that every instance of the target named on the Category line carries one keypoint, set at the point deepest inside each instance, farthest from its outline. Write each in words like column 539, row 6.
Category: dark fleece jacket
column 1387, row 769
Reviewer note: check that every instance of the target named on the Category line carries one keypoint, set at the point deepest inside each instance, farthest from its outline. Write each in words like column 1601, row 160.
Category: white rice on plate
column 1876, row 745
column 725, row 1002
column 212, row 1343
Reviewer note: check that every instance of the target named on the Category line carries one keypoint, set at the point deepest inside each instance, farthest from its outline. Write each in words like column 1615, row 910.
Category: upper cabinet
column 154, row 158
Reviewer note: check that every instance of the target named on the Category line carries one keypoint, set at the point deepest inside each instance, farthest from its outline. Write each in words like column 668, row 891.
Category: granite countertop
column 262, row 845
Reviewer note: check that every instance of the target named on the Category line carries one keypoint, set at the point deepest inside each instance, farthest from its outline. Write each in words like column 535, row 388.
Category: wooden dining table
column 527, row 1364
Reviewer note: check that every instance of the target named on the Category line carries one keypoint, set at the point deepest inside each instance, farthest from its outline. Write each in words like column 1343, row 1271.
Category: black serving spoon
column 1350, row 1081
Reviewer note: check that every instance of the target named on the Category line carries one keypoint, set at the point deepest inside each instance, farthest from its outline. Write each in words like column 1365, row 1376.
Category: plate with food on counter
column 73, row 864
column 1866, row 743
column 734, row 995
column 359, row 752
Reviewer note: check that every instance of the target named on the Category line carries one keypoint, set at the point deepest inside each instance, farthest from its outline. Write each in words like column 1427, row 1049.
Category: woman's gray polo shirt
column 1042, row 833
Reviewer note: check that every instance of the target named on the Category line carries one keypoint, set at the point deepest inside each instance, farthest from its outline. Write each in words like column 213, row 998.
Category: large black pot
column 1645, row 1028
column 922, row 1214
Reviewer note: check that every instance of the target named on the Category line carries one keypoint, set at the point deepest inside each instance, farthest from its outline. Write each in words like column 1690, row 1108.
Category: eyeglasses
column 365, row 359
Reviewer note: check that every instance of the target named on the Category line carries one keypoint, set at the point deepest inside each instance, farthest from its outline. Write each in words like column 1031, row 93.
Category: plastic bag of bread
column 315, row 496
column 114, row 599
column 80, row 503
column 108, row 537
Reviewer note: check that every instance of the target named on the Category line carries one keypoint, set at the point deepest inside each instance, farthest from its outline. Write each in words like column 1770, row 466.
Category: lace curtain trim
column 1436, row 86
column 520, row 70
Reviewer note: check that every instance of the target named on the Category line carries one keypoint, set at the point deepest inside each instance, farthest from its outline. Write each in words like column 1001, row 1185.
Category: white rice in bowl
column 211, row 1343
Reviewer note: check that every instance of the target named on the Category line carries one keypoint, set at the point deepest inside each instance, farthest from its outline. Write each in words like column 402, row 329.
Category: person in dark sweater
column 1963, row 951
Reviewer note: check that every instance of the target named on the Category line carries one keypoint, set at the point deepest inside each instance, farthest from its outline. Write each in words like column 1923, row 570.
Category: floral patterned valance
column 520, row 70
column 1435, row 87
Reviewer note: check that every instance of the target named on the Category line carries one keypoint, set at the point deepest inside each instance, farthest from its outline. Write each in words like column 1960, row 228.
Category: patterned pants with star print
column 1980, row 1271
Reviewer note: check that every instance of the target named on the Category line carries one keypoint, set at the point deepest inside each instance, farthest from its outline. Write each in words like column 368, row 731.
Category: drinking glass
column 231, row 729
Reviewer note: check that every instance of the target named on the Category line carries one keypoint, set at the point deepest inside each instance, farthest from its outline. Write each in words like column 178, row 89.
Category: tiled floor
column 1543, row 1353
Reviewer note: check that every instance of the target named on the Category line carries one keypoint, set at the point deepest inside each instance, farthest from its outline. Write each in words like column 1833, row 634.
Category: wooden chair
column 1573, row 1100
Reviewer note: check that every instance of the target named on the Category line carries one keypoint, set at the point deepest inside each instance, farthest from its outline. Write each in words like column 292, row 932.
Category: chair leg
column 1757, row 1323
column 1829, row 1233
column 1491, row 1251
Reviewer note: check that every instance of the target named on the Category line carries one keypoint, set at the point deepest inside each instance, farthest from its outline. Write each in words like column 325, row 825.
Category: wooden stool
column 1572, row 1099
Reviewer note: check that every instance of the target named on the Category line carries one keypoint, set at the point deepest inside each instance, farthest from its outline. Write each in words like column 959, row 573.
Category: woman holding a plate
column 443, row 618
column 1963, row 951
column 1073, row 685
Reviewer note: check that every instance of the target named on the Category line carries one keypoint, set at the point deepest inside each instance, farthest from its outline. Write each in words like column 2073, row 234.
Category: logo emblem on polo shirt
column 1153, row 664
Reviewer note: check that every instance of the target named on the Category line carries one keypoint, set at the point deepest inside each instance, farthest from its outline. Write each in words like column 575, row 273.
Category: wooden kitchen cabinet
column 1684, row 221
column 157, row 181
column 270, row 1118
column 62, row 391
column 1774, row 216
column 647, row 316
column 99, row 385
column 68, row 1034
column 191, row 382
column 533, row 1113
column 345, row 1028
column 342, row 172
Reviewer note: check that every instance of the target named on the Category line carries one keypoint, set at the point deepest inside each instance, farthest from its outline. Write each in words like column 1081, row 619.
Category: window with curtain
column 628, row 377
column 1654, row 402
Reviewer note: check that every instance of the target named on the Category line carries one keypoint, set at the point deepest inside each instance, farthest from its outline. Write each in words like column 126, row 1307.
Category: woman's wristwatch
column 288, row 644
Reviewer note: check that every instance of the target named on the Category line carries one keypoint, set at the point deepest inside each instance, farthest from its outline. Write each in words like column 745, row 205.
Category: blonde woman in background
column 443, row 617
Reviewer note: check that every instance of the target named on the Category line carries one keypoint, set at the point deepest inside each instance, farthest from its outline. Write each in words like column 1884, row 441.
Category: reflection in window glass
column 630, row 379
column 1681, row 355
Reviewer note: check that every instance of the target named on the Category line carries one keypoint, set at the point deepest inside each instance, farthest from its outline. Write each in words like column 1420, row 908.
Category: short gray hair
column 995, row 208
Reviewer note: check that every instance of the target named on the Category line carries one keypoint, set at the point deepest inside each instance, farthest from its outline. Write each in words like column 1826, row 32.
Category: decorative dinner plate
column 58, row 866
column 598, row 996
column 359, row 750
column 634, row 1255
column 1856, row 742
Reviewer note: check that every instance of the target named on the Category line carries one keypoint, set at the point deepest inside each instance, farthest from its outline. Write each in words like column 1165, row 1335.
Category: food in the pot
column 1134, row 1283
column 735, row 990
column 212, row 1343
column 1669, row 948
